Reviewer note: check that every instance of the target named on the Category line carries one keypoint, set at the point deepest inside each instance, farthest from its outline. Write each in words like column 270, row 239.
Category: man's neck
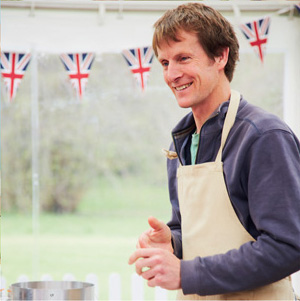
column 204, row 110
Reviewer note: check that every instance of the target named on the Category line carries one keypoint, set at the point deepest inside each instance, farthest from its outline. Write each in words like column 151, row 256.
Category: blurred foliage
column 115, row 130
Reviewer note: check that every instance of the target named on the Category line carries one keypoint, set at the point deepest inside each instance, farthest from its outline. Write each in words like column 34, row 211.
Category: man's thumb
column 155, row 224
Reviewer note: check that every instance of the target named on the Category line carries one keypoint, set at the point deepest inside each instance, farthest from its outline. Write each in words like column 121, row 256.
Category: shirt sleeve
column 272, row 173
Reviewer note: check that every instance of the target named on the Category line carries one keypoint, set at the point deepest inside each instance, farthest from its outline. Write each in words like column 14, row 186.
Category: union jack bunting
column 78, row 66
column 139, row 61
column 13, row 67
column 256, row 33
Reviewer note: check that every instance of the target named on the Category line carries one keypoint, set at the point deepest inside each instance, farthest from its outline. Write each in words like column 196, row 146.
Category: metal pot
column 52, row 290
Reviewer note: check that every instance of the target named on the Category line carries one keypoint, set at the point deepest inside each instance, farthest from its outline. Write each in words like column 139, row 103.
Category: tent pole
column 35, row 165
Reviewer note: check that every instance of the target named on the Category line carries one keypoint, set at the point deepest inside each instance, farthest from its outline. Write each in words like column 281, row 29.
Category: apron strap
column 229, row 120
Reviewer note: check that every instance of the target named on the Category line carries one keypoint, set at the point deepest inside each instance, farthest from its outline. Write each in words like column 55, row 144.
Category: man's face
column 192, row 76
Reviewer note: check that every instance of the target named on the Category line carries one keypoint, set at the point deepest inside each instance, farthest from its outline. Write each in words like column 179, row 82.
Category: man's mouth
column 180, row 88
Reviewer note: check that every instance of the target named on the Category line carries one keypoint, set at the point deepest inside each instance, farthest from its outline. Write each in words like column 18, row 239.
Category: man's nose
column 174, row 72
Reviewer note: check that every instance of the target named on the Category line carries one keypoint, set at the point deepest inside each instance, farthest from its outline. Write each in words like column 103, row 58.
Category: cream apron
column 209, row 223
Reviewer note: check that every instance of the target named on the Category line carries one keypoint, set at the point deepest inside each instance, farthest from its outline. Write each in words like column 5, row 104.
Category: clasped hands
column 154, row 259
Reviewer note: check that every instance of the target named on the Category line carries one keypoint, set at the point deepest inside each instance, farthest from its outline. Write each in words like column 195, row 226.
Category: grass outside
column 98, row 239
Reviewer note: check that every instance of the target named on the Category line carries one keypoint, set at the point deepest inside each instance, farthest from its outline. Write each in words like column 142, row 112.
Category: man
column 234, row 176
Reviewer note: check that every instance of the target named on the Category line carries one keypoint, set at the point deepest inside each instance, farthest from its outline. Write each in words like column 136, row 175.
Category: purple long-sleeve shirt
column 261, row 161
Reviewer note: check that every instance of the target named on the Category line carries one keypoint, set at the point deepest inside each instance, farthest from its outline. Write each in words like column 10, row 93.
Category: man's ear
column 223, row 58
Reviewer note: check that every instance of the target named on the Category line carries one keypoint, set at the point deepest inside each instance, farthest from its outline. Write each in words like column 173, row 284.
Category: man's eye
column 184, row 58
column 164, row 64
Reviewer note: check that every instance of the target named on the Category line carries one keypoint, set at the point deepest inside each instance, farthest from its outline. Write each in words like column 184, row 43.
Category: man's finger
column 143, row 240
column 148, row 274
column 155, row 224
column 140, row 253
column 143, row 265
column 152, row 282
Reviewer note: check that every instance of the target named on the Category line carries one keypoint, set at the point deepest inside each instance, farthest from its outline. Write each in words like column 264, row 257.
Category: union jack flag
column 256, row 33
column 78, row 66
column 139, row 61
column 13, row 67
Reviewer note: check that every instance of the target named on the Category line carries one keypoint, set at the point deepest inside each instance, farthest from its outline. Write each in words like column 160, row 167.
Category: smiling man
column 197, row 81
column 234, row 176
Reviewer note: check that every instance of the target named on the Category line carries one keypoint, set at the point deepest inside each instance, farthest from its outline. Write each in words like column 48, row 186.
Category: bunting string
column 139, row 60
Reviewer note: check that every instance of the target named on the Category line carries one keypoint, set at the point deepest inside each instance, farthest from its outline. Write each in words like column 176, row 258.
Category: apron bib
column 209, row 223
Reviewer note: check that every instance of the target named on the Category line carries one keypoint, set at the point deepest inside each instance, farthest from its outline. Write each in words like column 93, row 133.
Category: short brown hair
column 214, row 32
